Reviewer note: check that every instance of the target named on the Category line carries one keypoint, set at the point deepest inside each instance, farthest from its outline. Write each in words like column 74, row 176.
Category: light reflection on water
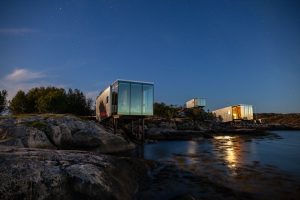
column 231, row 158
column 230, row 152
column 192, row 147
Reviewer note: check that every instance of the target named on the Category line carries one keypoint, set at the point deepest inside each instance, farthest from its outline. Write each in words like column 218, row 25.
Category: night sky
column 228, row 52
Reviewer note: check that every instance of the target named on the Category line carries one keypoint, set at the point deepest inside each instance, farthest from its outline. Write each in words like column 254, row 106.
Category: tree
column 54, row 101
column 199, row 115
column 159, row 109
column 51, row 100
column 77, row 103
column 3, row 102
column 166, row 111
column 195, row 114
column 33, row 97
column 89, row 107
column 19, row 104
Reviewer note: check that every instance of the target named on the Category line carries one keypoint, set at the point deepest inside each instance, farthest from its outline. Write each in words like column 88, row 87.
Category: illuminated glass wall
column 201, row 102
column 242, row 112
column 124, row 98
column 135, row 98
column 147, row 99
column 247, row 112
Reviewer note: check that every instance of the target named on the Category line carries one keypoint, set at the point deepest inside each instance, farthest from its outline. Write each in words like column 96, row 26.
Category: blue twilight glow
column 229, row 52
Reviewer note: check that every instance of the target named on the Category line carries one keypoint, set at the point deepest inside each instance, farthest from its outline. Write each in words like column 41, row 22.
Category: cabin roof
column 132, row 81
column 232, row 106
column 200, row 98
column 124, row 80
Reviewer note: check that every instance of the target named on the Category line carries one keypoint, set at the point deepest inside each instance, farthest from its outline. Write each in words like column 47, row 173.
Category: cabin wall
column 246, row 112
column 103, row 104
column 191, row 103
column 196, row 102
column 202, row 102
column 225, row 113
column 237, row 112
column 135, row 98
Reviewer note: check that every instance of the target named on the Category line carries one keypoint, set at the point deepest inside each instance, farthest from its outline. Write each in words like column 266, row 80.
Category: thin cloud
column 23, row 75
column 12, row 89
column 24, row 79
column 17, row 31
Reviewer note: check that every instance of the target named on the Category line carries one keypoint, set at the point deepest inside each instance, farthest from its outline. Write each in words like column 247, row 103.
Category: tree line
column 172, row 111
column 48, row 100
column 58, row 100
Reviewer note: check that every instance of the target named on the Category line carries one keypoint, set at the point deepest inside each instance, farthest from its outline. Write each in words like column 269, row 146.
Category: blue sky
column 229, row 52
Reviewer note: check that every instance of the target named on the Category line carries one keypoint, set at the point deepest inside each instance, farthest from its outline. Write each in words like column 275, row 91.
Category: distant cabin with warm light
column 236, row 112
column 125, row 98
column 195, row 102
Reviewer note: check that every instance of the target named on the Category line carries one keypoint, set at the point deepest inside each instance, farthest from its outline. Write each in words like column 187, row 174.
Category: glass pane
column 114, row 98
column 243, row 112
column 136, row 99
column 235, row 112
column 124, row 98
column 202, row 102
column 250, row 112
column 147, row 99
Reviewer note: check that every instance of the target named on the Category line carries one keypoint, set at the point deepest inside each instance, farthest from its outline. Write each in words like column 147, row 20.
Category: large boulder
column 63, row 174
column 61, row 132
column 24, row 136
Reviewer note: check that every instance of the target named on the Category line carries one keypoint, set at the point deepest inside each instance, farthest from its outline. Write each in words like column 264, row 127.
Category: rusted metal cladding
column 103, row 104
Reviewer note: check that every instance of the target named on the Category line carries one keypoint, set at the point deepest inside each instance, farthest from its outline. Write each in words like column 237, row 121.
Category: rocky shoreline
column 170, row 133
column 42, row 157
column 65, row 157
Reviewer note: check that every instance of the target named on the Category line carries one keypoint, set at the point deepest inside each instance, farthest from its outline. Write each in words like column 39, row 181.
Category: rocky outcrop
column 59, row 132
column 279, row 121
column 23, row 136
column 159, row 131
column 170, row 131
column 63, row 174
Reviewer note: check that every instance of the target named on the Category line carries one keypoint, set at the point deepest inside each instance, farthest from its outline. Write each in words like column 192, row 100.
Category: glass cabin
column 195, row 102
column 132, row 98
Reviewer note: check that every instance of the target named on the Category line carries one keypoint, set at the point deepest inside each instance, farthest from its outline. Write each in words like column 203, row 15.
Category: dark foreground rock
column 60, row 132
column 63, row 174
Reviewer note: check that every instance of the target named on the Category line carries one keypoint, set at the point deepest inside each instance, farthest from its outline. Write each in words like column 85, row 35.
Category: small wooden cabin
column 236, row 112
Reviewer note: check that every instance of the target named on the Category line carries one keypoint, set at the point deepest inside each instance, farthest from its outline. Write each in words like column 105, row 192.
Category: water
column 225, row 167
column 232, row 152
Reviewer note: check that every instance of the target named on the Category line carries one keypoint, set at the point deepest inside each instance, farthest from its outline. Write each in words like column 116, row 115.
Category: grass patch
column 42, row 126
column 22, row 116
column 51, row 115
column 47, row 115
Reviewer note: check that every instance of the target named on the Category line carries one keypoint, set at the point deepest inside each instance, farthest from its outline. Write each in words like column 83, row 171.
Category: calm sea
column 282, row 152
